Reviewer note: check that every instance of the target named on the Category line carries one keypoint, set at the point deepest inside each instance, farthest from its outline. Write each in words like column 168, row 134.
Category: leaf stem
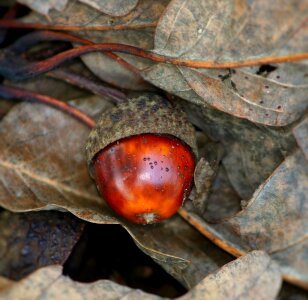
column 20, row 72
column 10, row 93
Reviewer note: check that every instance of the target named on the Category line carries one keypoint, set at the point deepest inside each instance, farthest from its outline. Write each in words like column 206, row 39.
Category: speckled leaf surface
column 235, row 31
column 33, row 240
column 224, row 31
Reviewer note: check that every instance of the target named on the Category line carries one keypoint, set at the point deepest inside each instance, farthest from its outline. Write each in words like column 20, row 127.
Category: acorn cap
column 148, row 113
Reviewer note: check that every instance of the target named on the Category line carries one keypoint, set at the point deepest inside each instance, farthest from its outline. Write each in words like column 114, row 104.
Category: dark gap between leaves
column 265, row 70
column 8, row 36
column 108, row 252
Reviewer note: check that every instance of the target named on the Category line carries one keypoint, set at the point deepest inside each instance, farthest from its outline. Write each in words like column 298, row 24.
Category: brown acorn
column 142, row 156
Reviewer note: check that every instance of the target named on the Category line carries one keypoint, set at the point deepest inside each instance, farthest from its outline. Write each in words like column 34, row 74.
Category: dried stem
column 10, row 93
column 17, row 72
column 31, row 39
column 93, row 86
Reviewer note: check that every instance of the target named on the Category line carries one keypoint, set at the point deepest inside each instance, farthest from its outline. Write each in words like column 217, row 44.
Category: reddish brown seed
column 145, row 178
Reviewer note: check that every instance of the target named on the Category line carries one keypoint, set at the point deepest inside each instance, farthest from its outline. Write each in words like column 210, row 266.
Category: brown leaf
column 34, row 164
column 43, row 167
column 179, row 249
column 252, row 275
column 230, row 31
column 275, row 220
column 301, row 134
column 241, row 93
column 33, row 240
column 43, row 6
column 219, row 31
column 252, row 152
column 114, row 8
column 141, row 21
column 49, row 283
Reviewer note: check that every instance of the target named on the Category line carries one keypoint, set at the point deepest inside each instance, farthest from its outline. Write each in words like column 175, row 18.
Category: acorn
column 142, row 155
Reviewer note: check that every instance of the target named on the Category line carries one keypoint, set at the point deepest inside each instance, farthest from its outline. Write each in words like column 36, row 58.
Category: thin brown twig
column 33, row 38
column 8, row 92
column 30, row 70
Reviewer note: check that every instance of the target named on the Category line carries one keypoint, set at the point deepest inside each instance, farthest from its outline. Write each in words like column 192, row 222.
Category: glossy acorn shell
column 145, row 137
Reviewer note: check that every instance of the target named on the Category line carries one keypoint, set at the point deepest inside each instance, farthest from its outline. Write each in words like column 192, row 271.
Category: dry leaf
column 114, row 8
column 33, row 240
column 301, row 134
column 252, row 152
column 141, row 21
column 43, row 6
column 238, row 30
column 274, row 220
column 49, row 283
column 230, row 31
column 38, row 164
column 253, row 275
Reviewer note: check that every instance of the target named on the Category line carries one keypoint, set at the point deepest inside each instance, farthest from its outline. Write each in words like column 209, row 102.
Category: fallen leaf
column 301, row 134
column 252, row 152
column 33, row 240
column 219, row 31
column 230, row 31
column 274, row 220
column 49, row 283
column 38, row 164
column 137, row 30
column 43, row 6
column 114, row 8
column 252, row 275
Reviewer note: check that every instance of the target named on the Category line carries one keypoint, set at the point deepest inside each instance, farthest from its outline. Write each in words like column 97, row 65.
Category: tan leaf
column 301, row 134
column 253, row 275
column 142, row 20
column 114, row 8
column 43, row 166
column 230, row 31
column 235, row 31
column 274, row 220
column 49, row 283
column 43, row 6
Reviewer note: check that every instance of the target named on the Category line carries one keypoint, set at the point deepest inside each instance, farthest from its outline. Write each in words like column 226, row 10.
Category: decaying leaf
column 33, row 240
column 235, row 31
column 49, row 283
column 232, row 31
column 43, row 6
column 274, row 220
column 114, row 8
column 301, row 134
column 252, row 152
column 138, row 30
column 253, row 275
